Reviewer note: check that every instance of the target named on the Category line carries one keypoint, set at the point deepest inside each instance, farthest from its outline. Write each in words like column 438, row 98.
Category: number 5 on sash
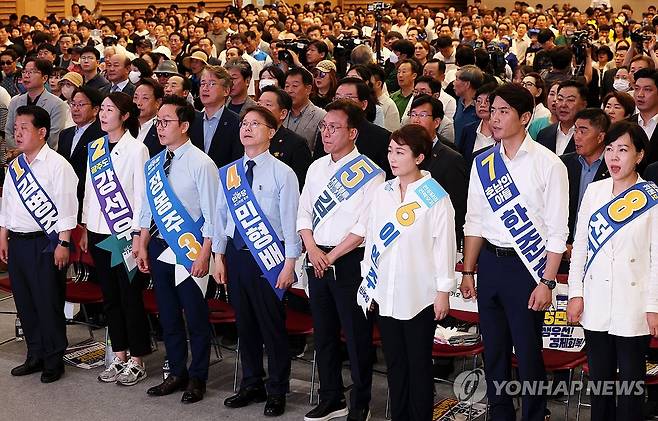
column 489, row 160
column 351, row 180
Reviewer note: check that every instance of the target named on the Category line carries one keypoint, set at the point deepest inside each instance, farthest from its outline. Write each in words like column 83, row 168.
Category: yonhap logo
column 470, row 386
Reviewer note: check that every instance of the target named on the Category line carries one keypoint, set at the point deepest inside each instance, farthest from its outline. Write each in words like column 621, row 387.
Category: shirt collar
column 569, row 132
column 395, row 183
column 586, row 165
column 301, row 112
column 43, row 154
column 180, row 151
column 479, row 131
column 526, row 147
column 83, row 128
column 122, row 84
column 642, row 123
column 347, row 158
column 260, row 159
column 218, row 114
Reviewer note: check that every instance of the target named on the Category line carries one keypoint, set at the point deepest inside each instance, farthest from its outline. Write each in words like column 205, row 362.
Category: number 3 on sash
column 489, row 160
column 188, row 241
column 351, row 180
column 99, row 150
column 17, row 169
column 232, row 178
column 622, row 208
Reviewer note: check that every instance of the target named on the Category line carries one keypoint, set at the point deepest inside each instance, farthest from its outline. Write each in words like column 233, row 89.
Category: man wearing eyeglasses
column 89, row 57
column 333, row 239
column 35, row 76
column 258, row 272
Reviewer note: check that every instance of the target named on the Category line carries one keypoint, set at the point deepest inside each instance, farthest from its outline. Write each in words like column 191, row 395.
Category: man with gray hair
column 468, row 79
column 117, row 68
column 362, row 54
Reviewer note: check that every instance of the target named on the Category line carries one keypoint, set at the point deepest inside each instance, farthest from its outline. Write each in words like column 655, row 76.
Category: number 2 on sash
column 489, row 160
column 622, row 208
column 17, row 169
column 232, row 177
column 99, row 150
column 351, row 180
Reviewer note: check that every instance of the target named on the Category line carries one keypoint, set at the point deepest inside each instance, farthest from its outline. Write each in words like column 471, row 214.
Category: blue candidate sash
column 342, row 185
column 418, row 202
column 252, row 223
column 35, row 199
column 507, row 204
column 614, row 215
column 181, row 233
column 114, row 205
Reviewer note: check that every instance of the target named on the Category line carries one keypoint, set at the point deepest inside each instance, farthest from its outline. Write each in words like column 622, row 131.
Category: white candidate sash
column 35, row 199
column 614, row 215
column 418, row 202
column 509, row 206
column 342, row 185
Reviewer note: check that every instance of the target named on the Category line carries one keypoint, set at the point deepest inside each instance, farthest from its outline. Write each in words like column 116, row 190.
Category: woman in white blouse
column 416, row 274
column 122, row 297
column 616, row 298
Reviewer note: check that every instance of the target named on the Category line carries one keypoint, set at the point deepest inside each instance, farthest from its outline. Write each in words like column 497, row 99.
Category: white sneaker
column 132, row 374
column 110, row 374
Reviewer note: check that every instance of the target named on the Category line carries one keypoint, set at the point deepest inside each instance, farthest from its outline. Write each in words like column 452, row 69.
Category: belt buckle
column 499, row 252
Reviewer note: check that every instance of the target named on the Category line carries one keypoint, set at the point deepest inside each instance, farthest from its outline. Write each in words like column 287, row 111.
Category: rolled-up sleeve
column 65, row 184
column 219, row 238
column 556, row 200
column 288, row 208
column 474, row 206
column 145, row 215
column 208, row 185
column 444, row 247
column 139, row 185
column 305, row 208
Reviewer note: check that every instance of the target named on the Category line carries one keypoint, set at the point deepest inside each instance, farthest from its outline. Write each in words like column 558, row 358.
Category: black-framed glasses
column 527, row 84
column 329, row 127
column 253, row 125
column 78, row 104
column 161, row 122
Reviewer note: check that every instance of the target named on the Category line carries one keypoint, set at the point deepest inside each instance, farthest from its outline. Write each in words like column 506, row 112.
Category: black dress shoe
column 245, row 396
column 169, row 386
column 30, row 366
column 361, row 414
column 195, row 390
column 50, row 375
column 275, row 406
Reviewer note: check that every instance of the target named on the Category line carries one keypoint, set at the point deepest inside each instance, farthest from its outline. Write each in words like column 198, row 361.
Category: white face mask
column 134, row 76
column 621, row 85
column 67, row 91
column 393, row 58
column 265, row 82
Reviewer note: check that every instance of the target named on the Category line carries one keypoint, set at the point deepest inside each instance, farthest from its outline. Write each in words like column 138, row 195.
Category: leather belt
column 27, row 235
column 500, row 251
column 326, row 249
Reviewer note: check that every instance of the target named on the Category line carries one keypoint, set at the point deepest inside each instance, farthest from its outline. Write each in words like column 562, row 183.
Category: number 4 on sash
column 489, row 160
column 232, row 177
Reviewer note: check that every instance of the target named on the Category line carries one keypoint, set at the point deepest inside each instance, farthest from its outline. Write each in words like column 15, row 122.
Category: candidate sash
column 509, row 206
column 114, row 205
column 252, row 223
column 181, row 233
column 342, row 185
column 614, row 215
column 35, row 199
column 418, row 202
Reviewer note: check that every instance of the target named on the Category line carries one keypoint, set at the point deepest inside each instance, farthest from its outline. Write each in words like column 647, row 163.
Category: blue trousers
column 172, row 302
column 504, row 288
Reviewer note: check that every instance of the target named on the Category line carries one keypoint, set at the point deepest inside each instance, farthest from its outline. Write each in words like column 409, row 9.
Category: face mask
column 621, row 85
column 265, row 82
column 393, row 58
column 134, row 76
column 67, row 91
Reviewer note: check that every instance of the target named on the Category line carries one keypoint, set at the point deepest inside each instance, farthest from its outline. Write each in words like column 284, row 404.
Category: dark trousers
column 334, row 306
column 261, row 320
column 39, row 290
column 172, row 302
column 504, row 288
column 606, row 353
column 408, row 351
column 122, row 302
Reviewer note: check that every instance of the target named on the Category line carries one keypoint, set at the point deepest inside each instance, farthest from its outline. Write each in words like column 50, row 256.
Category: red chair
column 298, row 323
column 221, row 312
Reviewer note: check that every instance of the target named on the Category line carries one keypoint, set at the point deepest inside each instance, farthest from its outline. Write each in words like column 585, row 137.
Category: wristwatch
column 550, row 284
column 64, row 243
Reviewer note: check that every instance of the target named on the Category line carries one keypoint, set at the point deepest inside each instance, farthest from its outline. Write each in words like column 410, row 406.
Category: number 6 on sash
column 351, row 180
column 489, row 160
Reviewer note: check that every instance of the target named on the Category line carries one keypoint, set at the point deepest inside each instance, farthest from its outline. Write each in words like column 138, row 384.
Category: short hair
column 437, row 106
column 307, row 77
column 487, row 88
column 580, row 87
column 403, row 46
column 539, row 84
column 40, row 117
column 363, row 72
column 545, row 35
column 441, row 63
column 93, row 50
column 561, row 57
column 634, row 131
column 646, row 74
column 415, row 67
column 649, row 62
column 471, row 74
column 266, row 114
column 361, row 55
column 444, row 41
column 283, row 98
column 416, row 137
column 377, row 72
column 47, row 46
column 184, row 110
column 11, row 53
column 320, row 45
column 42, row 65
column 624, row 99
column 435, row 85
column 355, row 114
column 220, row 73
column 275, row 71
column 464, row 55
column 143, row 67
column 241, row 65
column 93, row 95
column 596, row 117
column 516, row 96
column 156, row 87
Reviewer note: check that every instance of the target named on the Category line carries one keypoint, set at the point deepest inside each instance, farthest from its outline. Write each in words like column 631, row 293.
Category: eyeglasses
column 527, row 84
column 30, row 72
column 416, row 92
column 350, row 97
column 162, row 122
column 79, row 104
column 210, row 84
column 422, row 114
column 252, row 125
column 329, row 127
column 6, row 63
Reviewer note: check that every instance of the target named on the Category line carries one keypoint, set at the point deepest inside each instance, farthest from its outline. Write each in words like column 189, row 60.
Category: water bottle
column 19, row 330
column 109, row 354
column 165, row 369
